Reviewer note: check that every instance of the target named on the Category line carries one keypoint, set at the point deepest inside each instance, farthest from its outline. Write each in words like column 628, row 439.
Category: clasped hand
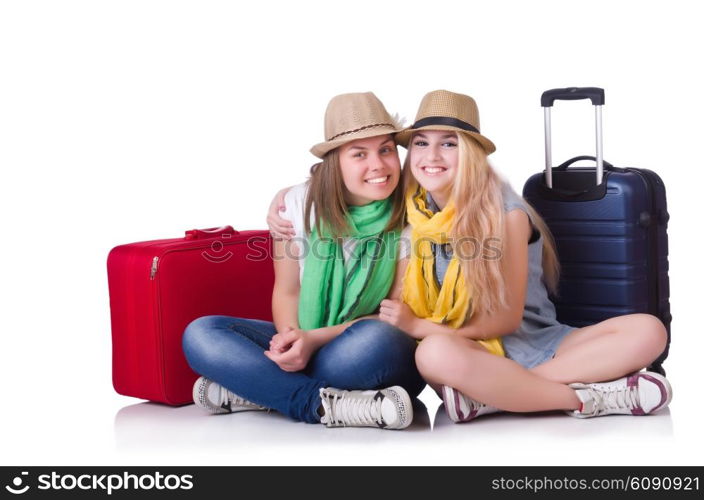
column 291, row 349
column 399, row 314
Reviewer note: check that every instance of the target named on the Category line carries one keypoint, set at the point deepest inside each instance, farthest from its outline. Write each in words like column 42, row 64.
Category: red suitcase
column 158, row 287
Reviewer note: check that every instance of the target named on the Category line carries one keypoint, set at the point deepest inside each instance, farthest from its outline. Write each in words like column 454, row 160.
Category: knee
column 372, row 335
column 195, row 331
column 367, row 343
column 198, row 340
column 644, row 335
column 653, row 332
column 433, row 353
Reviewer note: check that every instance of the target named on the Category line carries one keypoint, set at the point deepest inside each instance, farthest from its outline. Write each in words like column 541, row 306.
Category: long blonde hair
column 479, row 220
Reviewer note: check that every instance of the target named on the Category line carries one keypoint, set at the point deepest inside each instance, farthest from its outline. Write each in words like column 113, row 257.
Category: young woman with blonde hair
column 475, row 290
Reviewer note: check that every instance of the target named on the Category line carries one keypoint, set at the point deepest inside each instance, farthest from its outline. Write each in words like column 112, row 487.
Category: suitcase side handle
column 594, row 94
column 211, row 232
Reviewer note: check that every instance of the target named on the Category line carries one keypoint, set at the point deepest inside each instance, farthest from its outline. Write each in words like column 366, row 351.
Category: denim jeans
column 370, row 354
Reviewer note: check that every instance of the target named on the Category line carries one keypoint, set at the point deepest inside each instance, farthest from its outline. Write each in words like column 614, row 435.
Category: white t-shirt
column 297, row 247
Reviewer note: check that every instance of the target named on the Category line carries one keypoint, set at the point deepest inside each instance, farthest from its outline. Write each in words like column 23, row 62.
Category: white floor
column 144, row 432
column 75, row 420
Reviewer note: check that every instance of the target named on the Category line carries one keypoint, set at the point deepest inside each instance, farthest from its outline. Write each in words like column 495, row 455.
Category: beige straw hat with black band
column 445, row 110
column 349, row 117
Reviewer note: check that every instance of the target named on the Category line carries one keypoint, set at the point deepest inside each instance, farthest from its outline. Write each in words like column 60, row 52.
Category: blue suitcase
column 610, row 230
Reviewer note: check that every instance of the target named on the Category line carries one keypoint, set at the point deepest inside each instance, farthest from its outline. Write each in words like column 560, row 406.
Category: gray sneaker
column 388, row 408
column 461, row 408
column 636, row 394
column 217, row 399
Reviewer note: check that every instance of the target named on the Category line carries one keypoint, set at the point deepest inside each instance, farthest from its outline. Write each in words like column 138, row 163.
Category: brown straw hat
column 349, row 117
column 445, row 110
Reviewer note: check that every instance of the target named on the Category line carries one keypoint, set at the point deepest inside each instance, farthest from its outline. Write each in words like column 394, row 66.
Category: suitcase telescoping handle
column 596, row 95
column 212, row 232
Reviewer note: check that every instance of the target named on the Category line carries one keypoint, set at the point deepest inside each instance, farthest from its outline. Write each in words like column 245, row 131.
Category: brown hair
column 327, row 189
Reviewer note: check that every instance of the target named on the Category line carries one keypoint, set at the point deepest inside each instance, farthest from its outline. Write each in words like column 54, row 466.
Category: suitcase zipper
column 155, row 263
column 158, row 327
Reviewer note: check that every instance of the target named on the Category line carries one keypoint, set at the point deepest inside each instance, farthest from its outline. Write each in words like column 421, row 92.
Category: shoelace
column 226, row 396
column 349, row 409
column 616, row 399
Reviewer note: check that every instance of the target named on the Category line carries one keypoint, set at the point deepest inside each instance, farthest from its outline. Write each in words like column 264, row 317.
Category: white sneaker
column 636, row 394
column 388, row 408
column 217, row 399
column 461, row 408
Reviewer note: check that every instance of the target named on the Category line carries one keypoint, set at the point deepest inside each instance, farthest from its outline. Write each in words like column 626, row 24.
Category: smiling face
column 370, row 169
column 434, row 157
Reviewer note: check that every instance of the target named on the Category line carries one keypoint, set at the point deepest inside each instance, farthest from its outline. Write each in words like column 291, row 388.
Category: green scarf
column 334, row 291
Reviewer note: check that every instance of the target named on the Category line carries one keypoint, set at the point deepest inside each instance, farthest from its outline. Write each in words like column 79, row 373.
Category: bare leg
column 465, row 365
column 606, row 351
column 601, row 352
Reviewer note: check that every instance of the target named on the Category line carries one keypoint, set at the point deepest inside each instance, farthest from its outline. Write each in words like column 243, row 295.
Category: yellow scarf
column 452, row 303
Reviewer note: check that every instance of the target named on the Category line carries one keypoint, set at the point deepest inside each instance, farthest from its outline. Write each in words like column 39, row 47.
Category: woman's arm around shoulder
column 279, row 227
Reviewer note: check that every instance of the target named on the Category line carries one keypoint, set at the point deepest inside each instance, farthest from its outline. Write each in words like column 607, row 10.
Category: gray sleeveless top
column 540, row 333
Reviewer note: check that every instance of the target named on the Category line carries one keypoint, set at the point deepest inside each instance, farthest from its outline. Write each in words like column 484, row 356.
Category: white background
column 135, row 120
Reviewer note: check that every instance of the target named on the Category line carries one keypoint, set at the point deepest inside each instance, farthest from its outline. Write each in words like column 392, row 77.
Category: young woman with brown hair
column 321, row 360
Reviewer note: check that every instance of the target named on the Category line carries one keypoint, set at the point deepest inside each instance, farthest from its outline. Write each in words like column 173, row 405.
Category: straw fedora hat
column 445, row 110
column 349, row 117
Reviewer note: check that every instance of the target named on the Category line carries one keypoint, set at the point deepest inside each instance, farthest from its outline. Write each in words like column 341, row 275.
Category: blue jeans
column 370, row 354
